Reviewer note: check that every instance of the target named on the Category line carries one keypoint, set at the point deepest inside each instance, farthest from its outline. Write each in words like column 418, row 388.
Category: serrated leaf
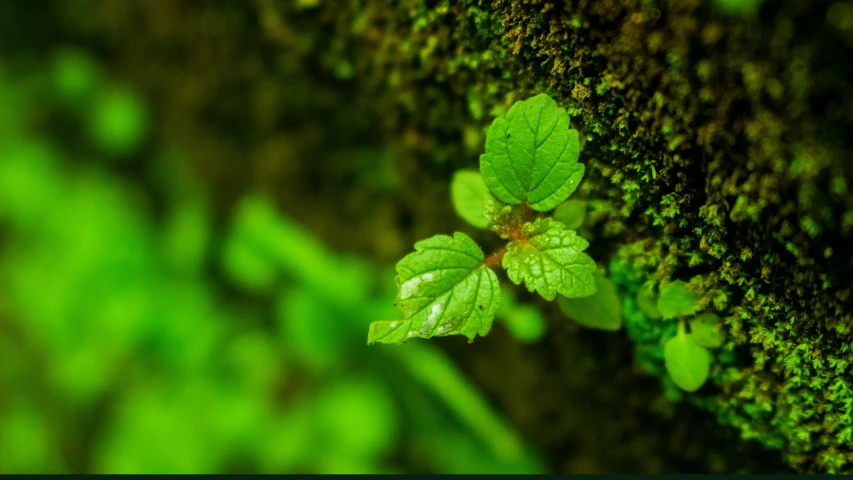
column 571, row 213
column 502, row 218
column 706, row 331
column 601, row 310
column 468, row 193
column 646, row 300
column 676, row 300
column 532, row 156
column 550, row 260
column 443, row 289
column 687, row 363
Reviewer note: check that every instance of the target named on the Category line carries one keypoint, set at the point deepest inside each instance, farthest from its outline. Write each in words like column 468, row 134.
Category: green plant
column 448, row 286
column 685, row 355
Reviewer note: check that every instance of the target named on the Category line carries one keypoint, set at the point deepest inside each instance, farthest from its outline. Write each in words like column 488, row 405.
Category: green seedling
column 686, row 355
column 448, row 286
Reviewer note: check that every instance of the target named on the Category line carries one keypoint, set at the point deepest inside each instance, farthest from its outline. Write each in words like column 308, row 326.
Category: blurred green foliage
column 138, row 334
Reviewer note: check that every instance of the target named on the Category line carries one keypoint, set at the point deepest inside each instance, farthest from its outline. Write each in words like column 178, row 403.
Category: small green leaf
column 602, row 310
column 444, row 289
column 532, row 156
column 469, row 192
column 675, row 300
column 571, row 213
column 526, row 323
column 646, row 300
column 550, row 261
column 687, row 363
column 706, row 331
column 501, row 217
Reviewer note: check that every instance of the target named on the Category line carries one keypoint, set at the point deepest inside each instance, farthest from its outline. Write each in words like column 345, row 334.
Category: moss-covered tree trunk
column 716, row 138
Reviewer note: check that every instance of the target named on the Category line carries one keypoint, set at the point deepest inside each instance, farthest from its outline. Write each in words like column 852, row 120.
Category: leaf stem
column 528, row 212
column 494, row 260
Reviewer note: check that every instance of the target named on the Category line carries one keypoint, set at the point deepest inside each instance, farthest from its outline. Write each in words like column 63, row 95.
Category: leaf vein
column 444, row 292
column 512, row 166
column 550, row 170
column 474, row 300
column 535, row 149
column 468, row 254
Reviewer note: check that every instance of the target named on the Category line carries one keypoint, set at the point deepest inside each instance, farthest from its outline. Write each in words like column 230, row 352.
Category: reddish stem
column 528, row 212
column 494, row 260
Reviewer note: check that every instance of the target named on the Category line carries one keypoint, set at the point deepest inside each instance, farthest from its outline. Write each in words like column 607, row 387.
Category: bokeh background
column 141, row 332
column 153, row 323
column 202, row 202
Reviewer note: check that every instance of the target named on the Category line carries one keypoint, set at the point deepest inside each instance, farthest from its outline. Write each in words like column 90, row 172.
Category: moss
column 717, row 148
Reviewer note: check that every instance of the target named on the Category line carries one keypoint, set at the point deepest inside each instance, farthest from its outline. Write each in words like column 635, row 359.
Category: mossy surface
column 716, row 145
